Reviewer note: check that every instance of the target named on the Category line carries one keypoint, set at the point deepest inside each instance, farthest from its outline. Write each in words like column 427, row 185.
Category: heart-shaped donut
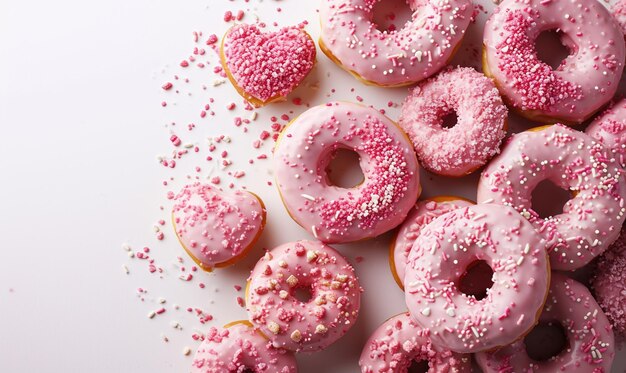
column 266, row 67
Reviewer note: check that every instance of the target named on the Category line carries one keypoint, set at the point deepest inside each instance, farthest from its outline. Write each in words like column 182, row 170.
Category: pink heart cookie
column 266, row 67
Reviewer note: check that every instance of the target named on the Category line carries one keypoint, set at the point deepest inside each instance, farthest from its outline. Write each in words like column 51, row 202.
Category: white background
column 81, row 126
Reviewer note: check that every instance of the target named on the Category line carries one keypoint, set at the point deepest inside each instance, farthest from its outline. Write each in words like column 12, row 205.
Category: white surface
column 81, row 125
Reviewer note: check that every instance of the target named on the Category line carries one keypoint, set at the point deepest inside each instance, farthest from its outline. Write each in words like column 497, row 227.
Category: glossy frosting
column 591, row 219
column 590, row 342
column 216, row 228
column 480, row 127
column 331, row 213
column 399, row 341
column 401, row 57
column 237, row 348
column 610, row 130
column 293, row 324
column 582, row 84
column 423, row 213
column 266, row 66
column 443, row 251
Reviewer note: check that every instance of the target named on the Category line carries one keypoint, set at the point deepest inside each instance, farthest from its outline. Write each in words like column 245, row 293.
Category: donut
column 573, row 161
column 399, row 342
column 609, row 283
column 423, row 213
column 303, row 324
column 610, row 130
column 332, row 214
column 619, row 12
column 590, row 342
column 266, row 67
column 585, row 81
column 442, row 253
column 214, row 227
column 239, row 348
column 397, row 58
column 480, row 127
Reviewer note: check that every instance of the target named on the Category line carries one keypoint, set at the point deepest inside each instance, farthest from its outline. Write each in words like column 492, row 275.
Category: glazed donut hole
column 342, row 167
column 476, row 280
column 449, row 120
column 391, row 15
column 418, row 366
column 550, row 48
column 546, row 340
column 548, row 199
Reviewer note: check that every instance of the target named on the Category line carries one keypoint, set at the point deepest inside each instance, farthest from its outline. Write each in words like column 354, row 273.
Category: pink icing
column 585, row 80
column 610, row 130
column 609, row 283
column 590, row 347
column 400, row 57
column 422, row 214
column 303, row 325
column 591, row 219
column 216, row 227
column 475, row 138
column 619, row 12
column 443, row 251
column 399, row 341
column 331, row 213
column 238, row 348
column 268, row 65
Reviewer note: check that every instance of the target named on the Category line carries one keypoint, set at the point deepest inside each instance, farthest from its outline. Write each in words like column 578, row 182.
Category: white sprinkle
column 125, row 268
column 314, row 231
column 186, row 351
column 527, row 248
column 151, row 314
column 520, row 260
column 450, row 312
column 426, row 312
column 309, row 197
column 475, row 332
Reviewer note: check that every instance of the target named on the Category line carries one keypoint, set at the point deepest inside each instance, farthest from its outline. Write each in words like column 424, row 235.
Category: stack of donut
column 520, row 261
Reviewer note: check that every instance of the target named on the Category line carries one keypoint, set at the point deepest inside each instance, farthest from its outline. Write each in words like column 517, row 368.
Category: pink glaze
column 422, row 214
column 442, row 253
column 480, row 127
column 591, row 219
column 216, row 227
column 610, row 130
column 289, row 322
column 267, row 65
column 590, row 347
column 609, row 283
column 399, row 341
column 331, row 213
column 401, row 57
column 582, row 84
column 238, row 348
column 619, row 12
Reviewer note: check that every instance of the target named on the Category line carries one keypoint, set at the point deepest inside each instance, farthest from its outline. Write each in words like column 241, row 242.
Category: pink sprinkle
column 167, row 86
column 228, row 16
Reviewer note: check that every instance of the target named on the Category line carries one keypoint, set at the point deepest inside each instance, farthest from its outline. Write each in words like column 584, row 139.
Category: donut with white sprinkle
column 447, row 248
column 217, row 228
column 590, row 346
column 585, row 81
column 610, row 130
column 287, row 319
column 334, row 214
column 591, row 219
column 423, row 213
column 239, row 348
column 393, row 58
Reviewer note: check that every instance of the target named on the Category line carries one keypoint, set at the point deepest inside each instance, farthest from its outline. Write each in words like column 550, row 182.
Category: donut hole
column 449, row 120
column 545, row 341
column 476, row 280
column 550, row 48
column 391, row 15
column 548, row 199
column 248, row 370
column 303, row 293
column 344, row 169
column 418, row 366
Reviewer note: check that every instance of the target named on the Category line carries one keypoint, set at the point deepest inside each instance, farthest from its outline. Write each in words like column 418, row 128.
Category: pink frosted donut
column 399, row 342
column 590, row 343
column 591, row 219
column 609, row 283
column 480, row 128
column 303, row 325
column 217, row 228
column 451, row 244
column 333, row 214
column 423, row 213
column 396, row 58
column 585, row 81
column 239, row 348
column 619, row 12
column 610, row 130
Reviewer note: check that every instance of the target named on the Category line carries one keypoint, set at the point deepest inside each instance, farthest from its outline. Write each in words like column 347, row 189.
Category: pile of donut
column 524, row 258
